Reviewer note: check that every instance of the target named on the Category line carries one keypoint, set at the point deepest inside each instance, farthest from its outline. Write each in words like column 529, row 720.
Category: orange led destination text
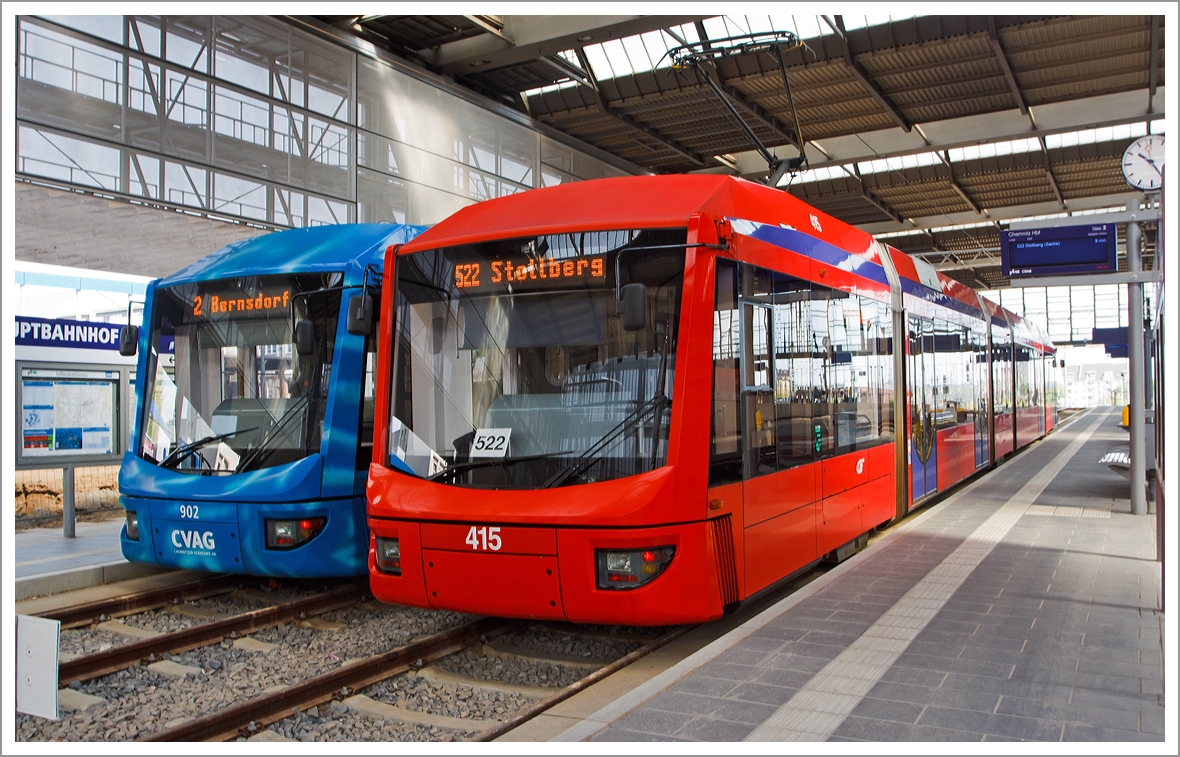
column 214, row 304
column 468, row 275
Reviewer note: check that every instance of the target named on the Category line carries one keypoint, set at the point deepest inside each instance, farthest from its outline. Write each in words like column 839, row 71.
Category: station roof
column 933, row 130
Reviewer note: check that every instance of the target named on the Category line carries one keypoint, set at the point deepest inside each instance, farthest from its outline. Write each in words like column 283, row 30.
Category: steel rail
column 125, row 655
column 579, row 685
column 148, row 599
column 262, row 710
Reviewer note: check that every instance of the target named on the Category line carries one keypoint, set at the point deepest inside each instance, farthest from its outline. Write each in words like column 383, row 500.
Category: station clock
column 1143, row 163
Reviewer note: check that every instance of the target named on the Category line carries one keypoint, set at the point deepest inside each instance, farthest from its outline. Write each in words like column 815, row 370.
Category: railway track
column 124, row 655
column 419, row 687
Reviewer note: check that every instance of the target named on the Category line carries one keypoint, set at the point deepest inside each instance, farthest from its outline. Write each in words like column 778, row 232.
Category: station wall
column 254, row 121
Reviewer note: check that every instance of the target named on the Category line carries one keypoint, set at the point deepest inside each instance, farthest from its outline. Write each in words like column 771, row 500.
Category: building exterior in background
column 253, row 121
column 1096, row 384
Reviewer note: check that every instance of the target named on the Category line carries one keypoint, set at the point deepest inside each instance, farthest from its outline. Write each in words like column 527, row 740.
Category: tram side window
column 852, row 372
column 1022, row 365
column 954, row 385
column 725, row 449
column 758, row 370
column 980, row 378
column 794, row 387
column 1001, row 370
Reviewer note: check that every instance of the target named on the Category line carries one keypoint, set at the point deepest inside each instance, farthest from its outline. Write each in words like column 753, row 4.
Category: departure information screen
column 1064, row 249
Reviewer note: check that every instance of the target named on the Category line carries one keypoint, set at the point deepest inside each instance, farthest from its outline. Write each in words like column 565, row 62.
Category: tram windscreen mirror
column 128, row 340
column 360, row 315
column 304, row 337
column 633, row 307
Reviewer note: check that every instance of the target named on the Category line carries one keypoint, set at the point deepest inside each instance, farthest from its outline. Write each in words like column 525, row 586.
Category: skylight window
column 637, row 53
column 972, row 152
column 1091, row 136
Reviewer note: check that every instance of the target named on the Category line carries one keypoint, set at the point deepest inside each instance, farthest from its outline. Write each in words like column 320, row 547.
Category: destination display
column 208, row 304
column 1063, row 249
column 499, row 274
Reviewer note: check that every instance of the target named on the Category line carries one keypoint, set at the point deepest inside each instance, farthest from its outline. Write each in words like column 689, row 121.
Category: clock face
column 1143, row 162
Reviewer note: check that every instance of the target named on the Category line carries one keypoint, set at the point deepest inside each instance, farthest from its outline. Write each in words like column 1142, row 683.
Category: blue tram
column 254, row 424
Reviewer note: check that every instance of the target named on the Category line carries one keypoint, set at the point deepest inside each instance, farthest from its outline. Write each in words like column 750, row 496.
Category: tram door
column 922, row 406
column 757, row 389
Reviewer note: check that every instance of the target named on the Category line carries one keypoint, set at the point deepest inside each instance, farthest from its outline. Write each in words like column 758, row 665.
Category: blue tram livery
column 254, row 423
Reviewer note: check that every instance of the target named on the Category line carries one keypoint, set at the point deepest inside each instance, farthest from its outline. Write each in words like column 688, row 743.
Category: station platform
column 49, row 563
column 1022, row 607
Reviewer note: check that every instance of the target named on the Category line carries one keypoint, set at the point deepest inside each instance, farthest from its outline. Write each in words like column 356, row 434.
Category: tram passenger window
column 874, row 375
column 852, row 371
column 950, row 376
column 793, row 383
column 725, row 452
column 757, row 393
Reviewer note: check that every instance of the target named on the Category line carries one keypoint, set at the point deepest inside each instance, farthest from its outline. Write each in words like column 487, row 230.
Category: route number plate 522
column 490, row 442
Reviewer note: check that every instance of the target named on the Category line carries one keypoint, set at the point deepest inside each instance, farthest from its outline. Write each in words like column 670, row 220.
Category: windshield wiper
column 658, row 402
column 491, row 461
column 181, row 453
column 255, row 454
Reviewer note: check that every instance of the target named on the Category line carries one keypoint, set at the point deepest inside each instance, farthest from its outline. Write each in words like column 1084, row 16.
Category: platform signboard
column 1089, row 248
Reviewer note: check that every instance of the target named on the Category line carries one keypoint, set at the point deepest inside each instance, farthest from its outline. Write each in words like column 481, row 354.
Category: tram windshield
column 239, row 371
column 536, row 362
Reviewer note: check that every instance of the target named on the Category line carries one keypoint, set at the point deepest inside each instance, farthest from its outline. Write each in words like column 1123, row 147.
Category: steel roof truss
column 864, row 79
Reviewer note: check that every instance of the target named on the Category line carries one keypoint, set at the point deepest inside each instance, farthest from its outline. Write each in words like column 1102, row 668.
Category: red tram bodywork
column 728, row 539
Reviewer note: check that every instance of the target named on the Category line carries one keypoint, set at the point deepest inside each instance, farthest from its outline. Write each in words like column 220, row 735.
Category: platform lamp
column 1143, row 165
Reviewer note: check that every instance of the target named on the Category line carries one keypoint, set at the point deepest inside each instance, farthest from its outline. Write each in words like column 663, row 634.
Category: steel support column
column 1136, row 369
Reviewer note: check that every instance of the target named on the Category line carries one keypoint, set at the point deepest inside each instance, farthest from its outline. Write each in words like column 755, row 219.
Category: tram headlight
column 628, row 569
column 285, row 534
column 389, row 556
column 133, row 525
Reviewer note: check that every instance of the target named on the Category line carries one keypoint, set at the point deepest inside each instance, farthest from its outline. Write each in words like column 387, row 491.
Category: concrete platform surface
column 45, row 550
column 49, row 563
column 1023, row 607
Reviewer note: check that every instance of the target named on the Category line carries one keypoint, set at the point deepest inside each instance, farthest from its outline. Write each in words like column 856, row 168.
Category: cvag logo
column 860, row 466
column 193, row 540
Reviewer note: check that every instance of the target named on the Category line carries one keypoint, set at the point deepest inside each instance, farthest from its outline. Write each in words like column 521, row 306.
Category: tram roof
column 310, row 250
column 630, row 202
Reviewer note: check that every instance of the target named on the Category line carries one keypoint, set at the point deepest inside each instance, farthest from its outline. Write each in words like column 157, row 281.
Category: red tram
column 642, row 400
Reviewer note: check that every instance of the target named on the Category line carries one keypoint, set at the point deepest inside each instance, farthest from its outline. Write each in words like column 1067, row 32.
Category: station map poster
column 66, row 413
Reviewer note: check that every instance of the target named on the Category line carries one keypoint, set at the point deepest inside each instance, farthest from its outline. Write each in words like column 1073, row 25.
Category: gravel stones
column 544, row 640
column 140, row 701
column 452, row 700
column 335, row 722
column 516, row 670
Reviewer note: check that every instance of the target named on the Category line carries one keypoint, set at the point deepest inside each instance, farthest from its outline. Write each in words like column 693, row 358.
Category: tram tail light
column 389, row 556
column 132, row 525
column 285, row 534
column 619, row 569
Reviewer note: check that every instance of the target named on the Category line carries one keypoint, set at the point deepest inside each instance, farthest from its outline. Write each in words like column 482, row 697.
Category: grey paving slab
column 762, row 693
column 654, row 721
column 622, row 734
column 1052, row 636
column 40, row 551
column 989, row 723
column 707, row 729
column 884, row 709
column 870, row 729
